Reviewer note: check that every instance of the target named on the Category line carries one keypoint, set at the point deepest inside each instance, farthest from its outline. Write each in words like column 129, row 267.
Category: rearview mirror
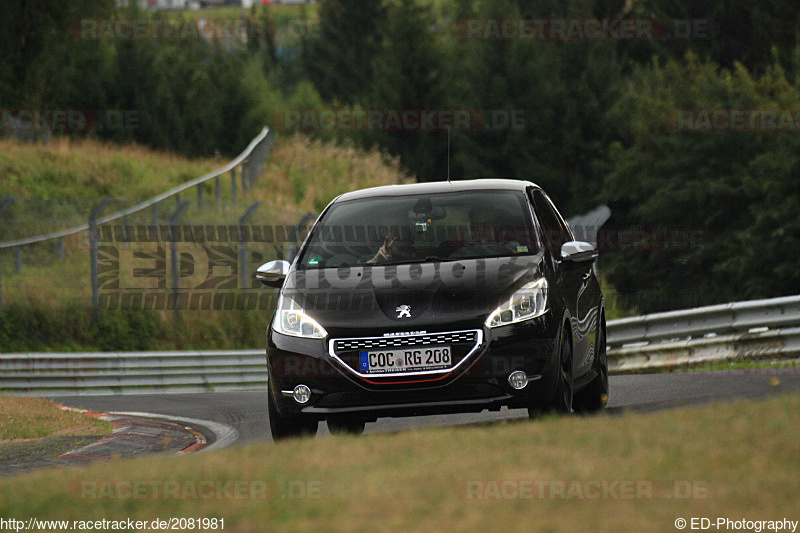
column 578, row 251
column 273, row 274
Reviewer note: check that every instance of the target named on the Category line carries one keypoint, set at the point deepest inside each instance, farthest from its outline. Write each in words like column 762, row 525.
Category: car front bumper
column 479, row 382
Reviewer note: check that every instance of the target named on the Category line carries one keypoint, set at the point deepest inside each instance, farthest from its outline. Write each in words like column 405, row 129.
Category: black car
column 435, row 298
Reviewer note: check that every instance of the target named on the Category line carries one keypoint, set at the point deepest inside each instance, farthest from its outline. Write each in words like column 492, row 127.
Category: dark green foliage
column 186, row 95
column 79, row 327
column 736, row 191
column 595, row 114
column 339, row 60
column 29, row 31
column 408, row 76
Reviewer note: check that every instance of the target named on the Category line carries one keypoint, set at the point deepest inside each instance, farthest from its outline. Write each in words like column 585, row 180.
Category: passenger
column 483, row 225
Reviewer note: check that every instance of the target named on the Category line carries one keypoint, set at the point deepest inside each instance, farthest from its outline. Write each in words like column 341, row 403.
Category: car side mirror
column 273, row 274
column 578, row 251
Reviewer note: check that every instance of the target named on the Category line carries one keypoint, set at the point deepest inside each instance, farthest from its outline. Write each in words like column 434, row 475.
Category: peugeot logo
column 403, row 311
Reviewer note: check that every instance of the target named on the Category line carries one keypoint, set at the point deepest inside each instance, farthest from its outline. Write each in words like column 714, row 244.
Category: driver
column 396, row 242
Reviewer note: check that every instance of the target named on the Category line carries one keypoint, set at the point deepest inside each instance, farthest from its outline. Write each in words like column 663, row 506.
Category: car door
column 572, row 278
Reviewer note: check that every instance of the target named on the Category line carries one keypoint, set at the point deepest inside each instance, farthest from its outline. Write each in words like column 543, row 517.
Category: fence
column 760, row 329
column 243, row 171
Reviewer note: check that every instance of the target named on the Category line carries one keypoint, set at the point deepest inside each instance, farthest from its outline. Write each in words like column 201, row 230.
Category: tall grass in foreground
column 622, row 472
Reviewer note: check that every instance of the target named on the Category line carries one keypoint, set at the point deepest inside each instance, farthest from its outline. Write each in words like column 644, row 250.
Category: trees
column 407, row 75
column 339, row 60
column 594, row 114
column 27, row 32
column 730, row 190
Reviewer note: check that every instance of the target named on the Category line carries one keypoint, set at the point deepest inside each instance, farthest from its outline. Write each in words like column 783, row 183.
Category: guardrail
column 132, row 372
column 756, row 329
column 250, row 164
column 760, row 329
column 240, row 159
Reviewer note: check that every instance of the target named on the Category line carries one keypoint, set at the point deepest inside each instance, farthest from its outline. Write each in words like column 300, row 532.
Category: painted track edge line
column 224, row 435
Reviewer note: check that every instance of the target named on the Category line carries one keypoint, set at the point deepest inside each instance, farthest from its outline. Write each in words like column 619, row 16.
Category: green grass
column 46, row 305
column 744, row 364
column 34, row 418
column 67, row 169
column 731, row 459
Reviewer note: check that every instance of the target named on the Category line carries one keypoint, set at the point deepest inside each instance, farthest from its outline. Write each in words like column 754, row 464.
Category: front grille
column 367, row 343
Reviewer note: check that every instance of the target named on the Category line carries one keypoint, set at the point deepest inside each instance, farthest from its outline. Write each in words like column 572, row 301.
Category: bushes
column 77, row 327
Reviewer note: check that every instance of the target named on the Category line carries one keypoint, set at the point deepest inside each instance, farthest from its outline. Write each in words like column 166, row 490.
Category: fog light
column 301, row 394
column 518, row 379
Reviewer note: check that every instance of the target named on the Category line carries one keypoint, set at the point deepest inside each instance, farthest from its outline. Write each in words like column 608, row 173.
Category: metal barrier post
column 93, row 247
column 127, row 230
column 6, row 204
column 243, row 274
column 3, row 208
column 176, row 275
column 291, row 248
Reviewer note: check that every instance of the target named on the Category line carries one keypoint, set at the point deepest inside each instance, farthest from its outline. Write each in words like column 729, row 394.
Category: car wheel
column 560, row 400
column 343, row 426
column 595, row 396
column 286, row 428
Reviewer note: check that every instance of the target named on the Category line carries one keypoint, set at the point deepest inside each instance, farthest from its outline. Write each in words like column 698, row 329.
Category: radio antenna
column 448, row 155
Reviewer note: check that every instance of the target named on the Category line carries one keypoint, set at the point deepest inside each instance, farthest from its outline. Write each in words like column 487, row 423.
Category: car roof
column 434, row 187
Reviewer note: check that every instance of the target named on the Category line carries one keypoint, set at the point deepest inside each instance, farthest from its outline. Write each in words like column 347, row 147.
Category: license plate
column 406, row 360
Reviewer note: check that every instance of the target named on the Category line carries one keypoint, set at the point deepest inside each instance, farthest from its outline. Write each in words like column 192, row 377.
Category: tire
column 594, row 396
column 561, row 397
column 343, row 426
column 287, row 428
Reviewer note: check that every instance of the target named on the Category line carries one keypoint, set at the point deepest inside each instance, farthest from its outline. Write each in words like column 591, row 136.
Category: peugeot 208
column 434, row 298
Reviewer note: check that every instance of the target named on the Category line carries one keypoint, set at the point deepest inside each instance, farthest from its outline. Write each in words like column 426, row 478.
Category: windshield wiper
column 428, row 259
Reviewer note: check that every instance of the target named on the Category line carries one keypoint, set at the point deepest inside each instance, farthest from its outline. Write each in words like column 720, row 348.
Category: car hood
column 364, row 300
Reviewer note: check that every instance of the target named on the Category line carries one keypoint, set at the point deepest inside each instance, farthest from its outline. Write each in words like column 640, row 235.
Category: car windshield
column 421, row 228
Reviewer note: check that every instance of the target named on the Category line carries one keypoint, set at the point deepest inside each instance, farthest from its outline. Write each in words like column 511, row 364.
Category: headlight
column 290, row 319
column 528, row 302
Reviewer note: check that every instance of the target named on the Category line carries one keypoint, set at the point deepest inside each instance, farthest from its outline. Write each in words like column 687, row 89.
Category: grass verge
column 632, row 472
column 765, row 367
column 46, row 306
column 36, row 418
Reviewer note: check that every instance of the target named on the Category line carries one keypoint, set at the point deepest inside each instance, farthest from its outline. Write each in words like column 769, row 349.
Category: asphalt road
column 247, row 411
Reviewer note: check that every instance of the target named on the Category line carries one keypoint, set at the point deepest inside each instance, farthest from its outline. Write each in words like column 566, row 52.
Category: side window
column 555, row 231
